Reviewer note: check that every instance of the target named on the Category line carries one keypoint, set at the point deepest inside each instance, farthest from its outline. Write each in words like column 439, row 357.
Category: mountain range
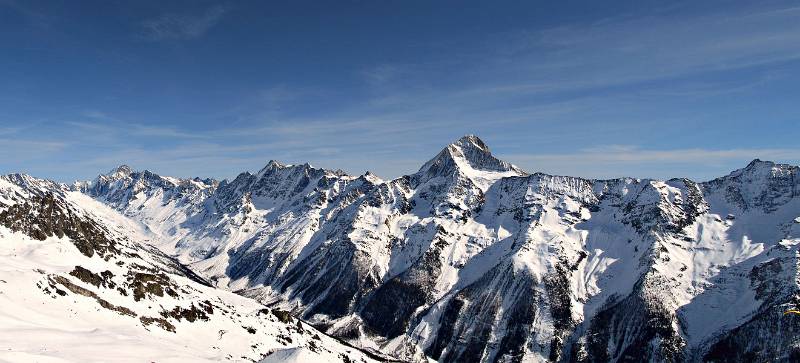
column 470, row 259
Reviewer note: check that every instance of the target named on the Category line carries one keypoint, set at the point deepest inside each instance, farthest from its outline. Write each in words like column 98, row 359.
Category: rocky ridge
column 473, row 259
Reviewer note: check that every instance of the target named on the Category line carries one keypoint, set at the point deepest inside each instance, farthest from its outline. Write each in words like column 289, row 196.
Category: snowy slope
column 78, row 285
column 473, row 259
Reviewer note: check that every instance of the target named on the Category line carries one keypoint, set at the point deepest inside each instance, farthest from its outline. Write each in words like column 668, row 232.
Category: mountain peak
column 120, row 171
column 759, row 172
column 476, row 154
column 274, row 166
column 756, row 163
column 471, row 141
column 469, row 156
column 763, row 168
column 271, row 166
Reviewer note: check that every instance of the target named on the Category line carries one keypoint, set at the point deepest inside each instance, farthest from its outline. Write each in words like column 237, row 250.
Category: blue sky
column 585, row 88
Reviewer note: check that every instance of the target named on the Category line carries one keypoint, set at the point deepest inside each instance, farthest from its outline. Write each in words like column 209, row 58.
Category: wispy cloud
column 182, row 26
column 21, row 150
column 111, row 127
column 9, row 130
column 169, row 132
column 639, row 49
column 611, row 52
column 382, row 73
column 622, row 160
column 385, row 146
column 635, row 154
column 585, row 74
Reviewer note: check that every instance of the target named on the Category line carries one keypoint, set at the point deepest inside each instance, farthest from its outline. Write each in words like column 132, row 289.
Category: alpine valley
column 470, row 259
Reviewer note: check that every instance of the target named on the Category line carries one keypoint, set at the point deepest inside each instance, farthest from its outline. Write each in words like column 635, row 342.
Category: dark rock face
column 160, row 322
column 558, row 293
column 283, row 316
column 46, row 215
column 101, row 279
column 343, row 268
column 190, row 314
column 391, row 307
column 88, row 293
column 770, row 336
column 144, row 284
column 465, row 327
column 637, row 328
column 447, row 326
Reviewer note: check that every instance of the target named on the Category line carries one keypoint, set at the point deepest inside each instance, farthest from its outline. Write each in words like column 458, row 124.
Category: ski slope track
column 470, row 259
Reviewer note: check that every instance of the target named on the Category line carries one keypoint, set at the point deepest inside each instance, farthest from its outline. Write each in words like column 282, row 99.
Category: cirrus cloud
column 182, row 26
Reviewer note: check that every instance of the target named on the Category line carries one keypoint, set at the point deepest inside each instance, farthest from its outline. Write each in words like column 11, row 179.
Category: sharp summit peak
column 468, row 151
column 471, row 140
column 123, row 169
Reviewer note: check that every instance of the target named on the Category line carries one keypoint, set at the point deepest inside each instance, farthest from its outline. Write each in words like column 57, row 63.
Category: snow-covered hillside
column 78, row 285
column 473, row 259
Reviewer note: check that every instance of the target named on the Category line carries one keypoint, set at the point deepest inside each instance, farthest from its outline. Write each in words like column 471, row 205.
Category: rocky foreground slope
column 473, row 259
column 77, row 285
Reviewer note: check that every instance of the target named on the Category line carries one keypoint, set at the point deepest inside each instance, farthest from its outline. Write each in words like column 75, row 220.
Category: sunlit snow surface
column 37, row 324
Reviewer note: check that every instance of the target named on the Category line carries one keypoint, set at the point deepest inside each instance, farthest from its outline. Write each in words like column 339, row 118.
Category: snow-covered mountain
column 473, row 259
column 78, row 284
